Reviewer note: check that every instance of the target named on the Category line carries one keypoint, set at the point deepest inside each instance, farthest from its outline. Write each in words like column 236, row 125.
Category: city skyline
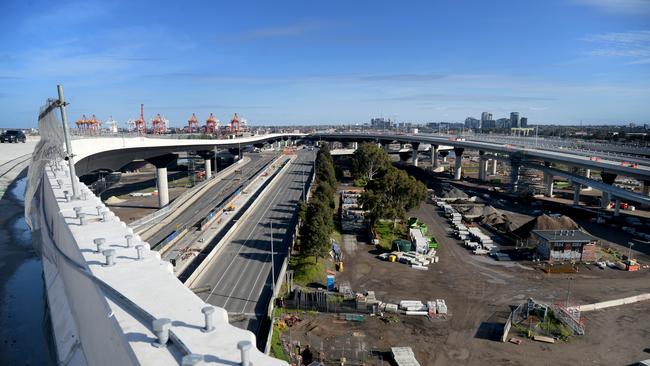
column 561, row 62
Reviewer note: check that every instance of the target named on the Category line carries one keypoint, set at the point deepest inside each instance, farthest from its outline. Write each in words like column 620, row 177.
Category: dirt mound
column 495, row 218
column 545, row 222
column 112, row 200
column 449, row 191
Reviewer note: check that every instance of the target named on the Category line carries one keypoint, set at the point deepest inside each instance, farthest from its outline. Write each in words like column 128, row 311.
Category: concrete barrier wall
column 99, row 335
column 611, row 303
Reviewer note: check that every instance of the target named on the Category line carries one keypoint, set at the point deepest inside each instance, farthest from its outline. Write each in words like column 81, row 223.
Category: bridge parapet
column 107, row 293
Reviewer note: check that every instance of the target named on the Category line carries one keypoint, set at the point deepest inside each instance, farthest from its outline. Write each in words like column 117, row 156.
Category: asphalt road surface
column 240, row 276
column 214, row 196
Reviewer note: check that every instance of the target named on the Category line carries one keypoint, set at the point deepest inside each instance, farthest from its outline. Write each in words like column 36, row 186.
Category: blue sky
column 311, row 62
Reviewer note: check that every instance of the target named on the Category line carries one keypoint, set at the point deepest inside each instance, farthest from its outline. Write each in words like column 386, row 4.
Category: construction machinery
column 235, row 123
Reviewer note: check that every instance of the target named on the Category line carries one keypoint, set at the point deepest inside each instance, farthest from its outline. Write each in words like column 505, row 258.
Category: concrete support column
column 161, row 162
column 587, row 175
column 494, row 166
column 161, row 185
column 355, row 145
column 208, row 168
column 548, row 181
column 646, row 187
column 515, row 167
column 482, row 166
column 608, row 178
column 576, row 195
column 458, row 166
column 415, row 146
column 434, row 156
column 444, row 154
column 617, row 208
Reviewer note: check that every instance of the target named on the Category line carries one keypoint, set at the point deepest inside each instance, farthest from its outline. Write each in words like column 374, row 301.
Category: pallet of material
column 543, row 339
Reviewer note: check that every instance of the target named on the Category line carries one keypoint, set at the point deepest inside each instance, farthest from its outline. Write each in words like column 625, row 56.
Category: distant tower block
column 211, row 124
column 192, row 123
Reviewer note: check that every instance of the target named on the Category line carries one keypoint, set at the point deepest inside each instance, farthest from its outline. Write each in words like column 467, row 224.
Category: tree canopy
column 392, row 195
column 368, row 161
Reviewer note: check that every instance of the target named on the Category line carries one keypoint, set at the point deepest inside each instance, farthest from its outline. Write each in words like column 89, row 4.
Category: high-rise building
column 471, row 122
column 486, row 116
column 502, row 123
column 514, row 120
column 524, row 122
column 488, row 124
column 381, row 123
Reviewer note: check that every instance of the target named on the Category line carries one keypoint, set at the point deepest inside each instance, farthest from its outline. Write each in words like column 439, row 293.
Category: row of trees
column 317, row 216
column 389, row 192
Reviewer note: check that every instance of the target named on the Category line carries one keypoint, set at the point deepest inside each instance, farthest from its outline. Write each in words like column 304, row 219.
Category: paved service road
column 215, row 195
column 240, row 275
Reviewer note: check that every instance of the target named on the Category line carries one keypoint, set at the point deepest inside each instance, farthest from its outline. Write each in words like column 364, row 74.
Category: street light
column 272, row 264
column 629, row 253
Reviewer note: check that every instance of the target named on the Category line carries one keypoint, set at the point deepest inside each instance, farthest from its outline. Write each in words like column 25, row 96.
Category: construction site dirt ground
column 479, row 292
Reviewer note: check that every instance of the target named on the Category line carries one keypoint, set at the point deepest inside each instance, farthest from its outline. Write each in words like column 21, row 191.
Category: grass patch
column 277, row 350
column 387, row 233
column 306, row 271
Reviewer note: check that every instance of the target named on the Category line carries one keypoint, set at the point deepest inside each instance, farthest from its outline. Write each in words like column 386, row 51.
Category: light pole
column 629, row 252
column 272, row 264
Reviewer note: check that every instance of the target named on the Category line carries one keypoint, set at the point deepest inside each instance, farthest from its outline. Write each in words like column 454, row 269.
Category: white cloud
column 633, row 45
column 625, row 7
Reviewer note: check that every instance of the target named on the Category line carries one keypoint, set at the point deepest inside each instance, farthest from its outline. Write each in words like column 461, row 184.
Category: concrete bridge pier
column 494, row 166
column 355, row 145
column 646, row 187
column 576, row 195
column 434, row 156
column 207, row 156
column 515, row 167
column 482, row 166
column 617, row 207
column 415, row 146
column 548, row 181
column 608, row 178
column 161, row 163
column 458, row 164
column 444, row 154
column 587, row 175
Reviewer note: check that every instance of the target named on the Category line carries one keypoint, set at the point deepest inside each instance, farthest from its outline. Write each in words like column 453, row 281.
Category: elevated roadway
column 641, row 172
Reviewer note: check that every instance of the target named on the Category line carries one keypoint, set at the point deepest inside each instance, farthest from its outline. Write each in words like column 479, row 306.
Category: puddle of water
column 24, row 335
column 24, row 327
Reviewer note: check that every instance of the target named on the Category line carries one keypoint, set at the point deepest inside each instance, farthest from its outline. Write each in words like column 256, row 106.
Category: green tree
column 368, row 161
column 315, row 231
column 392, row 195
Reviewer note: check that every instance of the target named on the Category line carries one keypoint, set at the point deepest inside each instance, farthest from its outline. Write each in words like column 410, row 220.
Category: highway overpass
column 516, row 156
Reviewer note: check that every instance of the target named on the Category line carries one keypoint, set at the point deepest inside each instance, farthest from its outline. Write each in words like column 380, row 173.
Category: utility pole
column 68, row 145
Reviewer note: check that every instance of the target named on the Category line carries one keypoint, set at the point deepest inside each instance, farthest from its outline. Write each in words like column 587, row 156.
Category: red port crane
column 235, row 124
column 140, row 123
column 158, row 125
column 211, row 124
column 192, row 123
